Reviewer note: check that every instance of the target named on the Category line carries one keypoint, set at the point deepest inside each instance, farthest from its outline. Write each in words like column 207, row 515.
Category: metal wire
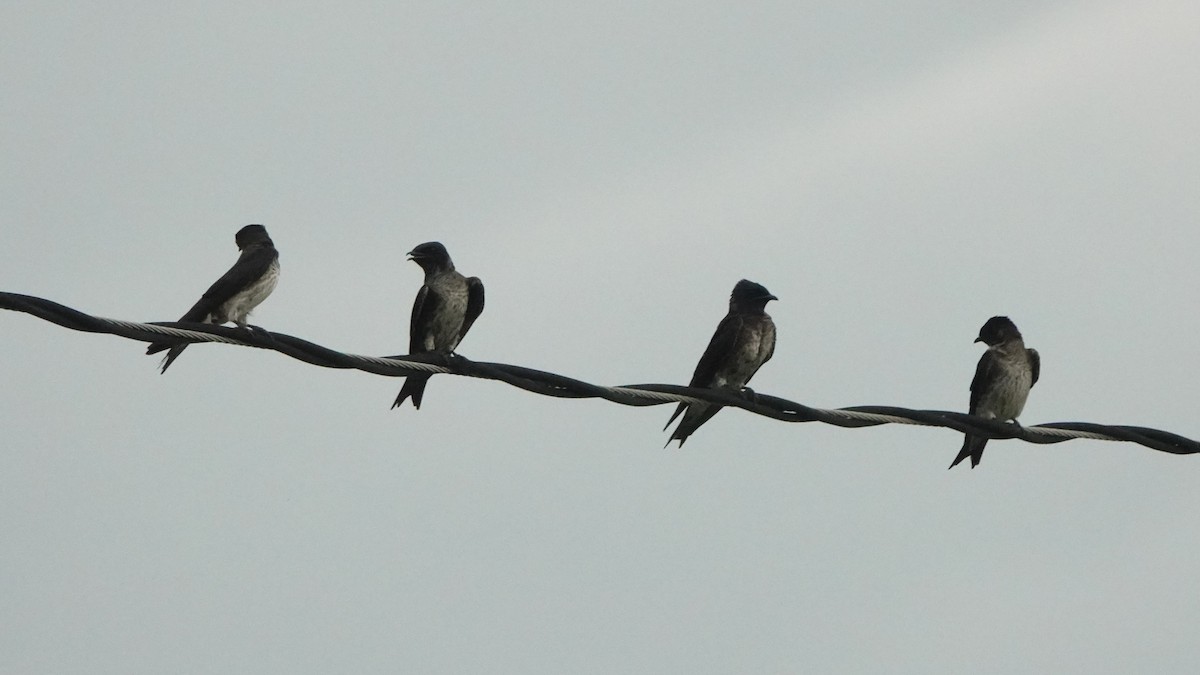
column 551, row 384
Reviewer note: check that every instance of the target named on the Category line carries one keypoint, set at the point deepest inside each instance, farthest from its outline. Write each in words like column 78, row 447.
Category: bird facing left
column 444, row 310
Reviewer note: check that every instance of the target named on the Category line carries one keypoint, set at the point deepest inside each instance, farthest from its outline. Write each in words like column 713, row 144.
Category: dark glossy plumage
column 232, row 297
column 1003, row 377
column 743, row 341
column 444, row 310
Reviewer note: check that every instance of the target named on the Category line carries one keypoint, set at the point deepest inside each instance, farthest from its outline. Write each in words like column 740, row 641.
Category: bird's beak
column 771, row 297
column 411, row 255
column 979, row 339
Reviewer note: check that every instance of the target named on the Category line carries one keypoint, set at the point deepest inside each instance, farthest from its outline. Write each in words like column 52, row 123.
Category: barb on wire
column 551, row 384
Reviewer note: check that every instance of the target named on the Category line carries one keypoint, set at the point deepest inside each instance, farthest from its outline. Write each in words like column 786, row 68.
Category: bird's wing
column 423, row 310
column 723, row 341
column 474, row 305
column 985, row 372
column 250, row 267
column 1035, row 362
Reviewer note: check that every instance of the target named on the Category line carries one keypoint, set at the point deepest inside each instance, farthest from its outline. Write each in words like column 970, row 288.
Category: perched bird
column 237, row 292
column 446, row 306
column 1003, row 378
column 743, row 341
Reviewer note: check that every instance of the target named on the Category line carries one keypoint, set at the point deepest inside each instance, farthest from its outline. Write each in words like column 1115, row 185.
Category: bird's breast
column 445, row 324
column 1005, row 399
column 754, row 344
column 238, row 308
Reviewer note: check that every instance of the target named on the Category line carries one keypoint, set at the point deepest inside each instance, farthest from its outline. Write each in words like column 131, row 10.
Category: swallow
column 446, row 307
column 1003, row 378
column 743, row 341
column 236, row 293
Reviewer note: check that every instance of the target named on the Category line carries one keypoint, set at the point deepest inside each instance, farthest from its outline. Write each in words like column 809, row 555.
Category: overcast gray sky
column 895, row 172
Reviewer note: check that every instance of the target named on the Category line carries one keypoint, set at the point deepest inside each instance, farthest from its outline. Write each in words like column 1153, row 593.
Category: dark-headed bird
column 743, row 341
column 1003, row 378
column 237, row 292
column 446, row 306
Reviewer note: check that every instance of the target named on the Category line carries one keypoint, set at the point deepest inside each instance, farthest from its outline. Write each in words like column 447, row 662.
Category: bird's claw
column 260, row 333
column 453, row 360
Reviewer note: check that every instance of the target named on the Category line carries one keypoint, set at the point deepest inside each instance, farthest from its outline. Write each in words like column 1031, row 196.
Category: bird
column 444, row 310
column 1003, row 378
column 743, row 341
column 236, row 293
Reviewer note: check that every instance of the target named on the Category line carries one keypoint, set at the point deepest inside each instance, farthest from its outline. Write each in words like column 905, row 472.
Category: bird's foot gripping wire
column 457, row 363
column 259, row 333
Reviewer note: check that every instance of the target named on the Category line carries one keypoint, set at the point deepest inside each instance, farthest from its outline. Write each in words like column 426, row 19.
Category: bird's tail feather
column 697, row 414
column 414, row 386
column 679, row 409
column 173, row 354
column 972, row 447
column 198, row 314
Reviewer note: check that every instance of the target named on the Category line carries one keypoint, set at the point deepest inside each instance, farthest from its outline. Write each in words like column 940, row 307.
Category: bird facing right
column 1003, row 378
column 743, row 341
column 236, row 293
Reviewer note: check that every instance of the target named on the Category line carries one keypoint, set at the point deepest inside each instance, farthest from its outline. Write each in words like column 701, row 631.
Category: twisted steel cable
column 551, row 384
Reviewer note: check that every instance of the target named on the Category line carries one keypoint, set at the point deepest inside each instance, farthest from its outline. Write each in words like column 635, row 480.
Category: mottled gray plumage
column 743, row 341
column 446, row 306
column 237, row 292
column 1003, row 378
